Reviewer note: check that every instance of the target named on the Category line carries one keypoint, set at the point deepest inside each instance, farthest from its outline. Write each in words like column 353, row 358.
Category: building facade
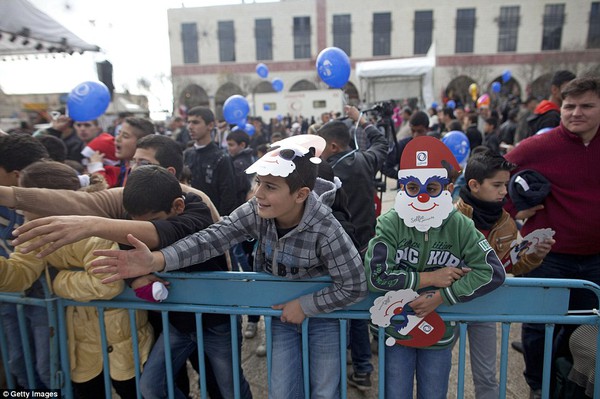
column 215, row 50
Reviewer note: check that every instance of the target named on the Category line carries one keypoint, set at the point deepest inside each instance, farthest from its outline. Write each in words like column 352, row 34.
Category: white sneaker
column 250, row 330
column 261, row 349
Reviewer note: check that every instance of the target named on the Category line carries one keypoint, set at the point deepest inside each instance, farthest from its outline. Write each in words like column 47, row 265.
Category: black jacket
column 241, row 162
column 212, row 172
column 195, row 217
column 356, row 170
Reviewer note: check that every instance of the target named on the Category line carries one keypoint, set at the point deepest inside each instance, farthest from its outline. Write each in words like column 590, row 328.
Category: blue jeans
column 360, row 346
column 39, row 342
column 532, row 335
column 217, row 348
column 432, row 367
column 323, row 354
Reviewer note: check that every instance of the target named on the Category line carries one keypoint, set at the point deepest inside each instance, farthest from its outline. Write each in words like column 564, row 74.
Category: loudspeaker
column 105, row 73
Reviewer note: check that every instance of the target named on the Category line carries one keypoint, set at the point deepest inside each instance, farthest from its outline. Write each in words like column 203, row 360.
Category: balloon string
column 356, row 129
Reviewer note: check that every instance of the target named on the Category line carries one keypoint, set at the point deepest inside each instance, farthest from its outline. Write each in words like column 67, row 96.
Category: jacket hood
column 318, row 203
column 545, row 106
column 325, row 191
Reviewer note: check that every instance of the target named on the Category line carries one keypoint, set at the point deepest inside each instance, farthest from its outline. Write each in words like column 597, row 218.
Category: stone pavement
column 255, row 367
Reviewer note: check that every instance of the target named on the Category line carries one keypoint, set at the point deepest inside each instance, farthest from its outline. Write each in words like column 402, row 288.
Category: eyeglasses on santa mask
column 286, row 153
column 432, row 188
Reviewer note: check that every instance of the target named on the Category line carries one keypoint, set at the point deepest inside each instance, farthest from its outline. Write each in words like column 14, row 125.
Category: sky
column 133, row 36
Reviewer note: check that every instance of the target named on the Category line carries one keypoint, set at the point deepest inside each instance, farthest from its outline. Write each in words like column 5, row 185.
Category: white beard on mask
column 423, row 216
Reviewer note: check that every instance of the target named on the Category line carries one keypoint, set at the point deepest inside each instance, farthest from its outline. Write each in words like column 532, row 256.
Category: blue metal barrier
column 519, row 300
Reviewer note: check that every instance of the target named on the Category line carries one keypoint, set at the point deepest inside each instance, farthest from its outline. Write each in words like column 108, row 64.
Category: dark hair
column 167, row 151
column 149, row 189
column 305, row 173
column 577, row 87
column 485, row 164
column 561, row 77
column 203, row 112
column 473, row 117
column 419, row 118
column 239, row 136
column 57, row 150
column 19, row 150
column 455, row 125
column 492, row 121
column 49, row 174
column 264, row 148
column 144, row 127
column 449, row 112
column 335, row 131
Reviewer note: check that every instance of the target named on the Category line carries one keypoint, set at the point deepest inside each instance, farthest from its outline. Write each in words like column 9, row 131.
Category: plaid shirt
column 318, row 246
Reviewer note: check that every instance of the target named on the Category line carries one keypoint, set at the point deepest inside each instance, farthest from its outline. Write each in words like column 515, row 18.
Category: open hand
column 121, row 264
column 56, row 231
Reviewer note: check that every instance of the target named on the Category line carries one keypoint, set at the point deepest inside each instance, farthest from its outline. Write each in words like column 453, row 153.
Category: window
column 226, row 41
column 465, row 30
column 554, row 18
column 189, row 40
column 319, row 104
column 342, row 31
column 508, row 26
column 301, row 37
column 594, row 29
column 263, row 32
column 382, row 31
column 423, row 31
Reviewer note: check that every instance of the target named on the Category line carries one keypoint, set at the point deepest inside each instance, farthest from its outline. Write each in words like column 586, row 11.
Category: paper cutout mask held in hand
column 402, row 326
column 424, row 202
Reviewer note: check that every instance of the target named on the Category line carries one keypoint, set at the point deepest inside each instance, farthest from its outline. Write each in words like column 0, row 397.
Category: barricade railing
column 519, row 300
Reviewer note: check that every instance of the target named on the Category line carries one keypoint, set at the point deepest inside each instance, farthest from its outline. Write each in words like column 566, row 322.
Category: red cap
column 426, row 152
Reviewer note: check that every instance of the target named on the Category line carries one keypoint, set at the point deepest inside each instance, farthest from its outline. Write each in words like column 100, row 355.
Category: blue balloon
column 496, row 86
column 87, row 101
column 506, row 75
column 434, row 105
column 235, row 109
column 333, row 66
column 262, row 70
column 248, row 128
column 277, row 84
column 458, row 143
column 451, row 104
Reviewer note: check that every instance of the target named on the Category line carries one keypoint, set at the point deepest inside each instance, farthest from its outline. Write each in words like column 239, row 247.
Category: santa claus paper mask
column 423, row 202
column 280, row 160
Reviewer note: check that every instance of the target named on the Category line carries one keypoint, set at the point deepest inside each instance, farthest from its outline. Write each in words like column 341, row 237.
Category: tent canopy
column 27, row 30
column 398, row 78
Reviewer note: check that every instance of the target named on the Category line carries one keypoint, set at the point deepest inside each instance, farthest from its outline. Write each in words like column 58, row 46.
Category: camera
column 385, row 108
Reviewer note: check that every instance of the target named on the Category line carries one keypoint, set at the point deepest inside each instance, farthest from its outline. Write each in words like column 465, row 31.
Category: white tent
column 398, row 78
column 26, row 30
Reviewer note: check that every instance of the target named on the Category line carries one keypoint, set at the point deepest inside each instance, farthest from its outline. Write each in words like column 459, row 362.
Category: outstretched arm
column 7, row 198
column 58, row 231
column 135, row 262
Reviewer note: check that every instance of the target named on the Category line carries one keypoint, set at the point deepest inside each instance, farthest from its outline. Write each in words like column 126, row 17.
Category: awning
column 26, row 30
column 392, row 78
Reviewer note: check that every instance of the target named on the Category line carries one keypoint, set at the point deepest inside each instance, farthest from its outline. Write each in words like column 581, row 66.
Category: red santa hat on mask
column 425, row 156
column 105, row 144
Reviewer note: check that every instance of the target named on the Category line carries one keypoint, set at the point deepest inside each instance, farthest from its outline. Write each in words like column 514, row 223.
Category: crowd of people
column 296, row 199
